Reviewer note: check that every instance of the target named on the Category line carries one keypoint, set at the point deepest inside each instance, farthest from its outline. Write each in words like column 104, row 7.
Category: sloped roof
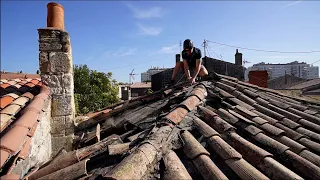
column 141, row 85
column 21, row 111
column 216, row 129
column 306, row 84
column 284, row 82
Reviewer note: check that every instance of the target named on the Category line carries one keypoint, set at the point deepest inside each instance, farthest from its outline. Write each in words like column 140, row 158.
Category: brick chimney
column 55, row 61
column 178, row 57
column 238, row 58
column 259, row 78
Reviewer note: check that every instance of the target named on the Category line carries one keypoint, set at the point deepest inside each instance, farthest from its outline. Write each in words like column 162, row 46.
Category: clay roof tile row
column 18, row 124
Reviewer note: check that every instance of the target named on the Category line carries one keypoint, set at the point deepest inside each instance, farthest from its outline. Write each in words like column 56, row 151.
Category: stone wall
column 55, row 61
column 40, row 146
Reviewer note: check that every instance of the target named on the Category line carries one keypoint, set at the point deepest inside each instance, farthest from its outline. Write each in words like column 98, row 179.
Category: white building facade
column 302, row 70
column 146, row 76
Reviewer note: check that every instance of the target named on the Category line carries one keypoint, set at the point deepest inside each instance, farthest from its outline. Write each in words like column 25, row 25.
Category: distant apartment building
column 146, row 76
column 301, row 70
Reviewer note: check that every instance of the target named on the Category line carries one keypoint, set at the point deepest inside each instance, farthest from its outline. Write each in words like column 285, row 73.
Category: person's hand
column 193, row 80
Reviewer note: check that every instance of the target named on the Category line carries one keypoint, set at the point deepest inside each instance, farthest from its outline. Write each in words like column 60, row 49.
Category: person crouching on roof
column 191, row 60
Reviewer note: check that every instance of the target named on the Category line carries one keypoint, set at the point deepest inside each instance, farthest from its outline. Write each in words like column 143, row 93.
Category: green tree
column 93, row 90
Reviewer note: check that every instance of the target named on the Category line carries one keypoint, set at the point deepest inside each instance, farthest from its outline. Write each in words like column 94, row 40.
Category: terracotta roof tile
column 272, row 129
column 291, row 124
column 313, row 146
column 5, row 101
column 33, row 129
column 17, row 86
column 294, row 146
column 30, row 84
column 315, row 159
column 207, row 168
column 28, row 119
column 4, row 86
column 253, row 153
column 14, row 139
column 305, row 167
column 12, row 109
column 289, row 132
column 308, row 133
column 4, row 157
column 192, row 148
column 275, row 170
column 10, row 177
column 25, row 150
column 310, row 125
column 28, row 95
column 5, row 120
column 271, row 144
column 13, row 95
column 244, row 170
column 21, row 101
column 12, row 82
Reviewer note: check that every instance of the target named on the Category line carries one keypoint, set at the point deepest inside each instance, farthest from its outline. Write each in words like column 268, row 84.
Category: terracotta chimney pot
column 55, row 17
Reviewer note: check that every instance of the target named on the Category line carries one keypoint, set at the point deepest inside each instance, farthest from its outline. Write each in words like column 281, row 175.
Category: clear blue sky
column 110, row 34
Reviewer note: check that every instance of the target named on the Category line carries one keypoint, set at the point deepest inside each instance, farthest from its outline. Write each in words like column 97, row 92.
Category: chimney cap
column 54, row 4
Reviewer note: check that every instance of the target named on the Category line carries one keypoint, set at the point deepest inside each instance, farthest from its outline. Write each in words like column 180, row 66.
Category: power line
column 271, row 51
column 213, row 52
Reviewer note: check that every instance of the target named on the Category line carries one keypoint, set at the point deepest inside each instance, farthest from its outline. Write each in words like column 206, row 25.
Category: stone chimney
column 238, row 58
column 56, row 70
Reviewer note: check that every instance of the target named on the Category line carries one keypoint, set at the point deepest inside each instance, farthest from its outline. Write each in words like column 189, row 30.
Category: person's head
column 188, row 46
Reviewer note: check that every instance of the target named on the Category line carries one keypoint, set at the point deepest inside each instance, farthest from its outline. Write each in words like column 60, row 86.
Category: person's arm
column 198, row 67
column 186, row 69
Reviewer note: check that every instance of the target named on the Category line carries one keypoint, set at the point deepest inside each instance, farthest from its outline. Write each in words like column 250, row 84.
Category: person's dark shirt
column 191, row 59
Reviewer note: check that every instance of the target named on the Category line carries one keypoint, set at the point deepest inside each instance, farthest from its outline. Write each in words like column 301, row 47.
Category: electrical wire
column 270, row 51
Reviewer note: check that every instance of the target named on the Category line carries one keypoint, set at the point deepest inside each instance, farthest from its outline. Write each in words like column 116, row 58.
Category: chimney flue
column 55, row 16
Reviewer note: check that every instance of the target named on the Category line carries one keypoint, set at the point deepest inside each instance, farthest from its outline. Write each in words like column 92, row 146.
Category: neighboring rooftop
column 141, row 85
column 22, row 101
column 216, row 129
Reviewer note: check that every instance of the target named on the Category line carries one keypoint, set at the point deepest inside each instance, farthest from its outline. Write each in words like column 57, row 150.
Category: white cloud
column 124, row 52
column 153, row 12
column 150, row 31
column 174, row 49
column 291, row 4
column 89, row 58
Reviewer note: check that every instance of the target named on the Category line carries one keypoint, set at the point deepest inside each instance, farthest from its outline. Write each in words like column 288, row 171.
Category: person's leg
column 179, row 65
column 203, row 71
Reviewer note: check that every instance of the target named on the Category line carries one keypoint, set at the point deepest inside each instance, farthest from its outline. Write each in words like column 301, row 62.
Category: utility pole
column 204, row 47
column 180, row 46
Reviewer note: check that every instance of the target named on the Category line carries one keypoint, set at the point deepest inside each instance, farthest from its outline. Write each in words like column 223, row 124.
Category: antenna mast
column 204, row 47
